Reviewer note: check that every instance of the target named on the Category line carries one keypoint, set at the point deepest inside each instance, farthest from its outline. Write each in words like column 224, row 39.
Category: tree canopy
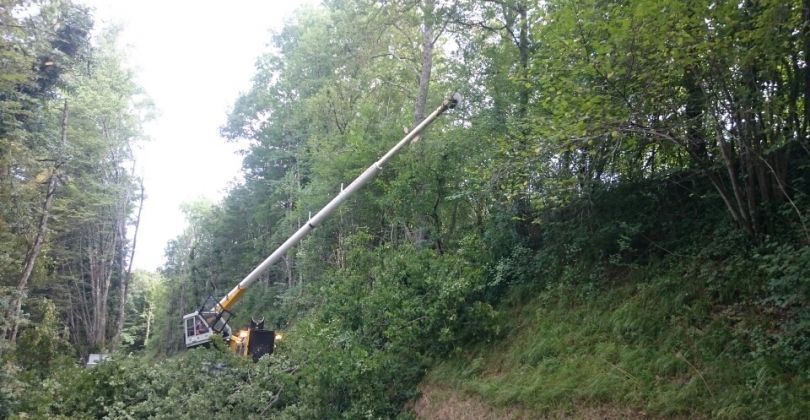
column 646, row 159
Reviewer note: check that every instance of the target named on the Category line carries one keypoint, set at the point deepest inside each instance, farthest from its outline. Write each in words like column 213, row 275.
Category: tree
column 50, row 43
column 41, row 232
column 91, row 249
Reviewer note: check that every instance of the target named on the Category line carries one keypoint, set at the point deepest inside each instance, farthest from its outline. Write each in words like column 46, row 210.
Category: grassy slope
column 652, row 344
column 657, row 308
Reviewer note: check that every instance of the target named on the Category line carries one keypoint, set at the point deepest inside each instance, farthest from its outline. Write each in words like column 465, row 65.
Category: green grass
column 654, row 344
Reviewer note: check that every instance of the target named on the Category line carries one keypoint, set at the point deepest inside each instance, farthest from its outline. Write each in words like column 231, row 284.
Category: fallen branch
column 273, row 401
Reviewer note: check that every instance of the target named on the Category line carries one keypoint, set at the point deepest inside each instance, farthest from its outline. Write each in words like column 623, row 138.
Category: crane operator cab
column 211, row 319
column 202, row 324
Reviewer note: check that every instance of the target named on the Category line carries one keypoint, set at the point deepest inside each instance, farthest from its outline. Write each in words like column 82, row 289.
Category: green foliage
column 388, row 314
column 657, row 312
column 657, row 346
column 35, row 365
column 38, row 52
column 202, row 382
column 44, row 347
column 788, row 272
column 67, row 187
column 586, row 172
column 360, row 354
column 147, row 293
column 785, row 336
column 621, row 196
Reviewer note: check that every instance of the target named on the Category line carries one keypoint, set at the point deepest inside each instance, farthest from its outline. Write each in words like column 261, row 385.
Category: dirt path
column 442, row 403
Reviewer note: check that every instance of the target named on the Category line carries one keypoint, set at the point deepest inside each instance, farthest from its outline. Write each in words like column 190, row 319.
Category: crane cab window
column 196, row 326
column 189, row 327
column 200, row 326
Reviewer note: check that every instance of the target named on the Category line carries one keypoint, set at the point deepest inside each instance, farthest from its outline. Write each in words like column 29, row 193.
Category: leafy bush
column 383, row 318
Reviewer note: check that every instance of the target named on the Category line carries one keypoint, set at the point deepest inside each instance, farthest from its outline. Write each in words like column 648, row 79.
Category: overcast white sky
column 193, row 58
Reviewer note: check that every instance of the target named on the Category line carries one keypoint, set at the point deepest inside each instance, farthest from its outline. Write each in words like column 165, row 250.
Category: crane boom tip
column 453, row 100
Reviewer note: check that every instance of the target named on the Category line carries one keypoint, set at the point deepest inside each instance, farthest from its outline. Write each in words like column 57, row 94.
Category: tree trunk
column 426, row 67
column 427, row 62
column 126, row 275
column 806, row 42
column 42, row 230
column 523, row 53
column 148, row 324
column 695, row 109
column 739, row 194
column 103, row 245
column 31, row 257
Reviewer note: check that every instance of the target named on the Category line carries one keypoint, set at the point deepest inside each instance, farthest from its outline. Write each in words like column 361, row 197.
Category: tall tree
column 92, row 249
column 39, row 51
column 125, row 265
column 41, row 232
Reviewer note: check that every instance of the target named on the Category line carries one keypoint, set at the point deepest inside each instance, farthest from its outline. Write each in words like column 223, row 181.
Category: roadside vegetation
column 696, row 323
column 614, row 222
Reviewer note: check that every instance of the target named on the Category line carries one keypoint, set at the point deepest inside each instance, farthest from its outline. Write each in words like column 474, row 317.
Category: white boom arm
column 227, row 302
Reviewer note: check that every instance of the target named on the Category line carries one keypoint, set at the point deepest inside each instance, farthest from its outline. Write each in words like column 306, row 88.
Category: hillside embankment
column 681, row 316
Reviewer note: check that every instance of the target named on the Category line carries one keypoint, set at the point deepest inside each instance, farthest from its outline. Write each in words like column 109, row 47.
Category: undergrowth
column 719, row 330
column 646, row 297
column 623, row 302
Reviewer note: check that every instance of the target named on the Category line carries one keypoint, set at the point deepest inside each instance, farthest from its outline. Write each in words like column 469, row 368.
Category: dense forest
column 612, row 224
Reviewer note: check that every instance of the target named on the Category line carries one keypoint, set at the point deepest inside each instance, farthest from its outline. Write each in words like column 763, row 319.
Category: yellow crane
column 212, row 318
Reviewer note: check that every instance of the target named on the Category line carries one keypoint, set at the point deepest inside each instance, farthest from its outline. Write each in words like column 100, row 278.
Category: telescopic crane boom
column 212, row 317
